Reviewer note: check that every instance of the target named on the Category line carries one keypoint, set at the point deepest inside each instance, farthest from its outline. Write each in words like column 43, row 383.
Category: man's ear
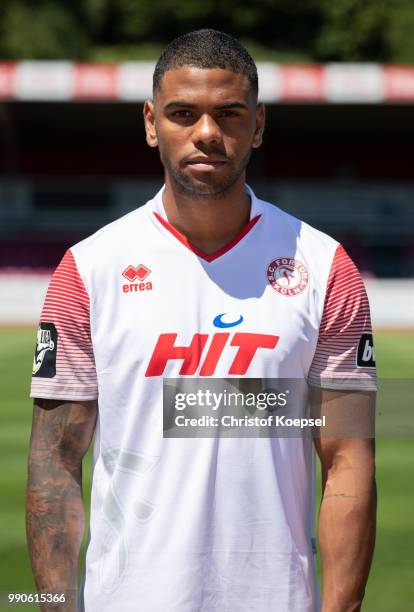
column 149, row 122
column 260, row 124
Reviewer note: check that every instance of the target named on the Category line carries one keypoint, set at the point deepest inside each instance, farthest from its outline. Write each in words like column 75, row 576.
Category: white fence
column 132, row 82
column 392, row 301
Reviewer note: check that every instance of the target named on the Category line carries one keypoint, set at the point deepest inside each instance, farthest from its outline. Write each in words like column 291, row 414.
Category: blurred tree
column 41, row 30
column 353, row 30
column 400, row 31
column 299, row 30
column 281, row 25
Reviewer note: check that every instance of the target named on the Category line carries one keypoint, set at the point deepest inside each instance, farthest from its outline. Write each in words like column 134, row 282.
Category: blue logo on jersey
column 219, row 323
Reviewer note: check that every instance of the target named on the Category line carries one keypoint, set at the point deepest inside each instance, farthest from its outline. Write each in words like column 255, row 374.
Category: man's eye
column 228, row 113
column 182, row 113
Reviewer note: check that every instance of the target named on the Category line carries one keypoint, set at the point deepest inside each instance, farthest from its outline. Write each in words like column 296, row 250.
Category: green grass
column 391, row 584
column 16, row 354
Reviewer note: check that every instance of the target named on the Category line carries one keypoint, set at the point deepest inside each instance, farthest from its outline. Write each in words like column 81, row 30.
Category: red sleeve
column 64, row 365
column 344, row 356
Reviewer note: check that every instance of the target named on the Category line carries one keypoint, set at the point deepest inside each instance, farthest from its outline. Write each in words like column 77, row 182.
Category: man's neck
column 208, row 223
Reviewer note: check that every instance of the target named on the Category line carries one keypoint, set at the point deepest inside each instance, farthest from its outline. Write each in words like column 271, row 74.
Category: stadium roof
column 132, row 81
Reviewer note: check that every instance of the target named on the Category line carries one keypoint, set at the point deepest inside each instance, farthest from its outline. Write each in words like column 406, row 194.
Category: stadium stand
column 337, row 153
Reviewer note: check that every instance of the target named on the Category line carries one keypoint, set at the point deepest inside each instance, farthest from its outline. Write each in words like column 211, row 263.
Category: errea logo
column 138, row 273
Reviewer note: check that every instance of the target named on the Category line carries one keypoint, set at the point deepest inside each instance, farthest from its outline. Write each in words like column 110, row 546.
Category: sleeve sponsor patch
column 366, row 353
column 44, row 362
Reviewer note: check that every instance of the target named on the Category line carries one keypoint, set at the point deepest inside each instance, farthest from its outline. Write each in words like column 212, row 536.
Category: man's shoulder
column 300, row 231
column 114, row 234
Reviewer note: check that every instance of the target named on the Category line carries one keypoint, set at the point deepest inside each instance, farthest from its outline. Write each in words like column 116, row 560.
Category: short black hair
column 206, row 48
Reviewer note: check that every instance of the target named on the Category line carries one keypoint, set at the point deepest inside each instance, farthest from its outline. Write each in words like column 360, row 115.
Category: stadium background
column 338, row 152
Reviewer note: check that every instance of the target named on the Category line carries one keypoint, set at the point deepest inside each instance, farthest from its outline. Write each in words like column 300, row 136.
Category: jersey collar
column 159, row 213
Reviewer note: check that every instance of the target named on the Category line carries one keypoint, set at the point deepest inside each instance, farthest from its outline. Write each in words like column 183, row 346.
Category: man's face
column 205, row 123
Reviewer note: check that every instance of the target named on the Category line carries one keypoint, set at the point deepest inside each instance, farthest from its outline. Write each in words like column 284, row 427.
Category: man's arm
column 61, row 434
column 346, row 530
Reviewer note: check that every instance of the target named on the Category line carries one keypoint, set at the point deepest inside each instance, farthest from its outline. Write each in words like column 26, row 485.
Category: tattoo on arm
column 61, row 433
column 339, row 495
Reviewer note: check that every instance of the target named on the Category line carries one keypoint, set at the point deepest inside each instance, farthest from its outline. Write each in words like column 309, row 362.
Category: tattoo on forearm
column 54, row 519
column 339, row 495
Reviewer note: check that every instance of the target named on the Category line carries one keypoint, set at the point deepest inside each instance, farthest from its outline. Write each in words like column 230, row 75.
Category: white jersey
column 199, row 524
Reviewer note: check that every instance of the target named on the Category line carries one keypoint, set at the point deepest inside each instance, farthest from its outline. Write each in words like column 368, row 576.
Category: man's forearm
column 55, row 524
column 346, row 536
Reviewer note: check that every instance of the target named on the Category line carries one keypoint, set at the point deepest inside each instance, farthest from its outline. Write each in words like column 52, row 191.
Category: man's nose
column 206, row 130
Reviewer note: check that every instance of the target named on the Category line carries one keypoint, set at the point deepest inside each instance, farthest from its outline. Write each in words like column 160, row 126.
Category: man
column 205, row 280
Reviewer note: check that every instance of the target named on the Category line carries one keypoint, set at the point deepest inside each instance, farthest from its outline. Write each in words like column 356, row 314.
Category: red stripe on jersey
column 67, row 307
column 345, row 318
column 208, row 256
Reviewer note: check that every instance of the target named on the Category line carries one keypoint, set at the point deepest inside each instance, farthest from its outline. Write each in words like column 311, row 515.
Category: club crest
column 287, row 276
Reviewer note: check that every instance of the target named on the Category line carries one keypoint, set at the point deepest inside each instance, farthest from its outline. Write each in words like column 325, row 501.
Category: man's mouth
column 206, row 163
